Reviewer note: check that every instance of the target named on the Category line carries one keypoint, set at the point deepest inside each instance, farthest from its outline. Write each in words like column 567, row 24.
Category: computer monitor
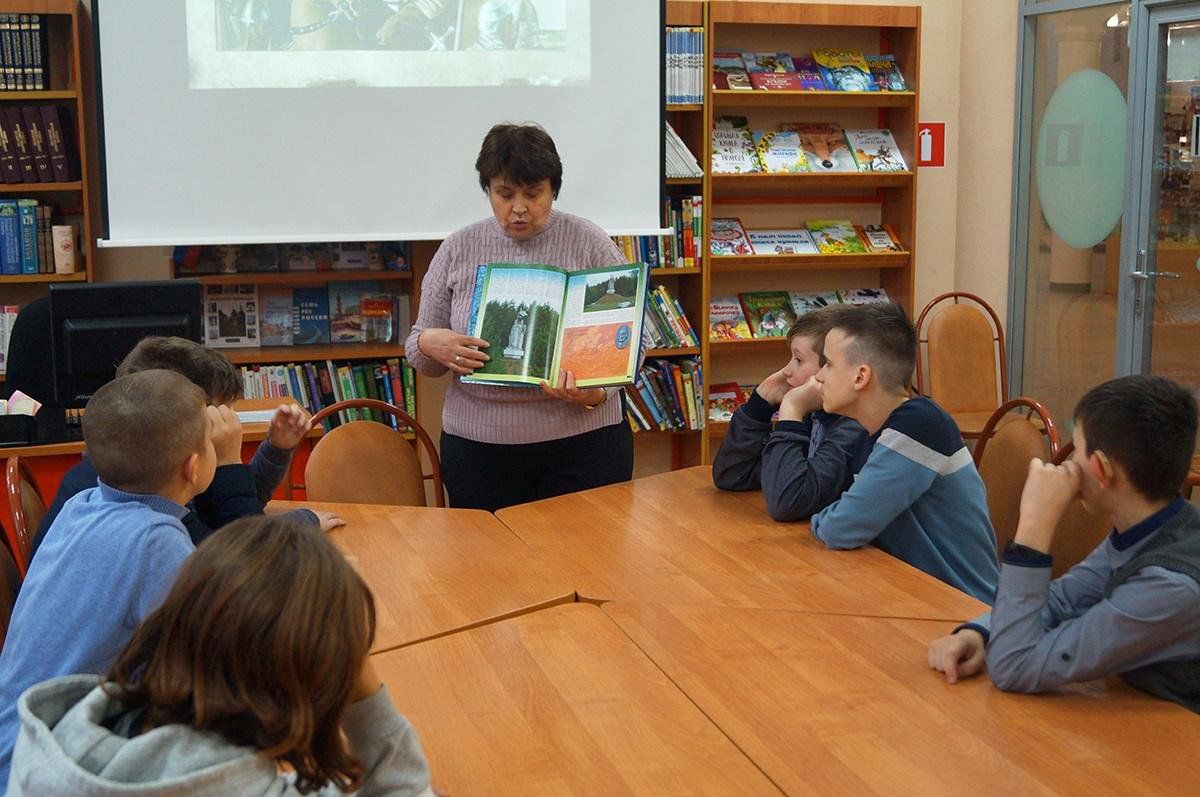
column 93, row 326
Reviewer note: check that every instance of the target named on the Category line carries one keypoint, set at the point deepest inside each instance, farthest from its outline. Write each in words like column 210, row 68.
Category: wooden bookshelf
column 338, row 352
column 78, row 276
column 747, row 263
column 730, row 99
column 298, row 277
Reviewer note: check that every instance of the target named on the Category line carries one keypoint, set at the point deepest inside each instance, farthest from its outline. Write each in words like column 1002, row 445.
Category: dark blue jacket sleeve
column 798, row 482
column 739, row 460
column 231, row 495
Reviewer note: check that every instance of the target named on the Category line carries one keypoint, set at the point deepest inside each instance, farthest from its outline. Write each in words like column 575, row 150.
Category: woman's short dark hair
column 261, row 640
column 524, row 154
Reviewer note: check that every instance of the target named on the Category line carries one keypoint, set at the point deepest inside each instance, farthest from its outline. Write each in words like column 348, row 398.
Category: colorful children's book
column 345, row 311
column 835, row 236
column 769, row 313
column 879, row 238
column 723, row 399
column 824, row 145
column 809, row 73
column 886, row 73
column 729, row 238
column 875, row 151
column 310, row 316
column 782, row 242
column 844, row 70
column 865, row 296
column 231, row 315
column 771, row 71
column 779, row 151
column 541, row 319
column 726, row 320
column 733, row 150
column 277, row 323
column 806, row 302
column 729, row 71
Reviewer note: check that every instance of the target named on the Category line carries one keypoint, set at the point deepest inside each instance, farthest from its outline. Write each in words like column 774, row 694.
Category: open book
column 542, row 319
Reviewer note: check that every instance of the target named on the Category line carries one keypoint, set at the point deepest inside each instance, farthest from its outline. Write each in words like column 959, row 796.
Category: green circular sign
column 1079, row 158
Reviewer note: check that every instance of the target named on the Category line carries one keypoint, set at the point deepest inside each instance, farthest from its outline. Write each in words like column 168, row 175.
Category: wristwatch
column 590, row 407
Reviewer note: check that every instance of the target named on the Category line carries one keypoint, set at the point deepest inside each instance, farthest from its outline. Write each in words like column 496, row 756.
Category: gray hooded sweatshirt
column 64, row 748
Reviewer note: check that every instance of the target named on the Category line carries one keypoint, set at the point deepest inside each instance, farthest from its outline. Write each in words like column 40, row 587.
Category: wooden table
column 436, row 571
column 558, row 702
column 674, row 538
column 827, row 704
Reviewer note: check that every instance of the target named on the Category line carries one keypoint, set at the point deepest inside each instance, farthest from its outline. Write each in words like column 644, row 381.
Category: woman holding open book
column 505, row 445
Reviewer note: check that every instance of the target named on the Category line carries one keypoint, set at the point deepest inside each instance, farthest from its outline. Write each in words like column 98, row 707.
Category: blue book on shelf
column 27, row 215
column 10, row 237
column 310, row 316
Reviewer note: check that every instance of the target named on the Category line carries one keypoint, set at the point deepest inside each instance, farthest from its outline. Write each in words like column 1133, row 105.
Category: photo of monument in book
column 539, row 320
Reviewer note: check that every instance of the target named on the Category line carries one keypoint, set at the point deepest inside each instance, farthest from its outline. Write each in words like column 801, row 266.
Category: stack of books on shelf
column 37, row 145
column 667, row 395
column 824, row 70
column 319, row 384
column 685, row 65
column 797, row 147
column 656, row 251
column 27, row 243
column 669, row 327
column 818, row 236
column 679, row 161
column 769, row 314
column 685, row 214
column 23, row 62
column 340, row 312
column 257, row 258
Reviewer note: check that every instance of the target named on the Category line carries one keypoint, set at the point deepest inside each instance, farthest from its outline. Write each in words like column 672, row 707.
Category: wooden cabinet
column 62, row 21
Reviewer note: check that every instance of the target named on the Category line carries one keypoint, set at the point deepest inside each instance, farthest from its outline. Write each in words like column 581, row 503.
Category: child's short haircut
column 261, row 640
column 815, row 325
column 139, row 428
column 1147, row 425
column 882, row 337
column 211, row 370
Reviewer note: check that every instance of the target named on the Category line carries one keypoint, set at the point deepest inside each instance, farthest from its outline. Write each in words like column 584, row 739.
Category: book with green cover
column 769, row 313
column 835, row 236
column 539, row 320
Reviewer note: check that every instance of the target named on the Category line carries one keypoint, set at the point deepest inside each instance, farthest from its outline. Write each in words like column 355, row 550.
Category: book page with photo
column 541, row 319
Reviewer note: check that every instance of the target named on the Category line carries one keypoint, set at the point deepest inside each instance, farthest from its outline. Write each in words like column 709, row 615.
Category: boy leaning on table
column 810, row 457
column 918, row 497
column 1132, row 606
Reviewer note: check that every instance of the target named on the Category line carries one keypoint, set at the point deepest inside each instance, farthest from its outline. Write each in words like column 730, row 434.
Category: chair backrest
column 1079, row 531
column 366, row 462
column 1009, row 440
column 10, row 582
column 963, row 347
column 26, row 508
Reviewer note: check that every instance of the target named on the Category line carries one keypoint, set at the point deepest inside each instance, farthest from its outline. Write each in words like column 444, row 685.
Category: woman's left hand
column 565, row 389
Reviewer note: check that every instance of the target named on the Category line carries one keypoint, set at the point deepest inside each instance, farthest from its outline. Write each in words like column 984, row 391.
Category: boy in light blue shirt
column 149, row 436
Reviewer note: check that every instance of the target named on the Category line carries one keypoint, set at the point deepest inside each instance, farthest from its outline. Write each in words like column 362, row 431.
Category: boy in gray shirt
column 1132, row 606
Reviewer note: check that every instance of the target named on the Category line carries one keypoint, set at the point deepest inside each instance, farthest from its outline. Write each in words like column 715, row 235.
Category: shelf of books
column 319, row 322
column 45, row 200
column 810, row 187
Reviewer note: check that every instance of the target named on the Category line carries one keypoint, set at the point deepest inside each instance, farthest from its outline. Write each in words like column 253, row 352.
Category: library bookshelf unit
column 64, row 89
column 786, row 201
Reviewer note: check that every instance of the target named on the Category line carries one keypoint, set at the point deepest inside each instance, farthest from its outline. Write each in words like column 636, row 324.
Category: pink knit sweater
column 488, row 413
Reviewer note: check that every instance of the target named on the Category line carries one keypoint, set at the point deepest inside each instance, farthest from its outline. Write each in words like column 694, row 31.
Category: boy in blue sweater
column 808, row 460
column 112, row 553
column 918, row 496
column 1132, row 606
column 237, row 490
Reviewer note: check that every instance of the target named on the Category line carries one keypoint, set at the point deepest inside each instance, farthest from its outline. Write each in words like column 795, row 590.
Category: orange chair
column 26, row 507
column 1079, row 531
column 1007, row 442
column 963, row 345
column 10, row 582
column 364, row 462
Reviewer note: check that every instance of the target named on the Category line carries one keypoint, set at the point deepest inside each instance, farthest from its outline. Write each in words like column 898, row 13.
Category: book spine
column 56, row 143
column 25, row 49
column 32, row 118
column 346, row 381
column 20, row 140
column 27, row 217
column 410, row 388
column 38, row 52
column 7, row 72
column 314, row 389
column 10, row 237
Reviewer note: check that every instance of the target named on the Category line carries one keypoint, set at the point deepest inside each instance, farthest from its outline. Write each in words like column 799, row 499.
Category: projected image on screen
column 388, row 43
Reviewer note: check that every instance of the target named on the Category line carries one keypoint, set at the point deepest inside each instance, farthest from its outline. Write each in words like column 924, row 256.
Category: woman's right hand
column 460, row 353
